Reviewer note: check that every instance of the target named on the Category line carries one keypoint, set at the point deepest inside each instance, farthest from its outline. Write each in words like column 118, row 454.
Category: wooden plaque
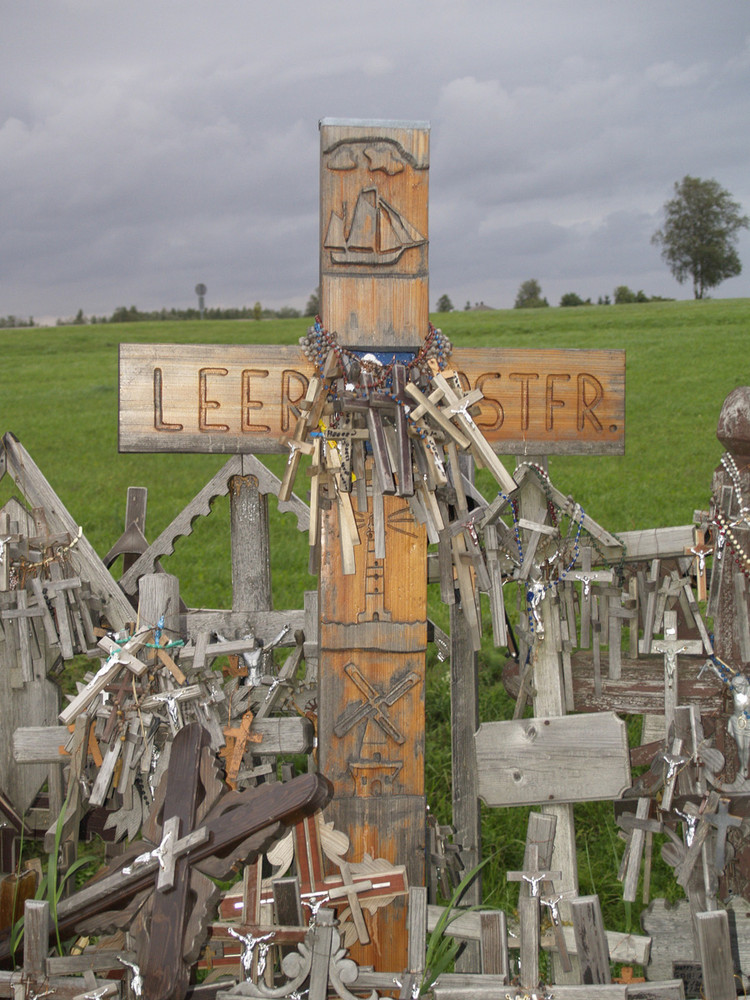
column 572, row 758
column 233, row 399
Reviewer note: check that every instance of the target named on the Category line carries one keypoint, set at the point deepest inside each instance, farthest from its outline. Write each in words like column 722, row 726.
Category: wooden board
column 672, row 938
column 232, row 398
column 638, row 691
column 566, row 759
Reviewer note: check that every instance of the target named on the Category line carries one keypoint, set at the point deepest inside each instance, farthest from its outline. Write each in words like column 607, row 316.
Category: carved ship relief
column 378, row 234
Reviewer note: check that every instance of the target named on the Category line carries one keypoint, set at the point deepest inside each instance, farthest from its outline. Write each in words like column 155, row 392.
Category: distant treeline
column 15, row 322
column 132, row 314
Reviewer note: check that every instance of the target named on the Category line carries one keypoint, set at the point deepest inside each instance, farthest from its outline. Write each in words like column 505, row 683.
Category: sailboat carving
column 378, row 234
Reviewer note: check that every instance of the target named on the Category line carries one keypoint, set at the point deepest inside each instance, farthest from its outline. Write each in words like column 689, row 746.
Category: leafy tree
column 444, row 304
column 571, row 299
column 257, row 310
column 529, row 295
column 624, row 295
column 313, row 303
column 700, row 233
column 467, row 307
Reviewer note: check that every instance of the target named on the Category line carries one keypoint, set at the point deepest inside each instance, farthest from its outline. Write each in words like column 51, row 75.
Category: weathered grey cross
column 722, row 820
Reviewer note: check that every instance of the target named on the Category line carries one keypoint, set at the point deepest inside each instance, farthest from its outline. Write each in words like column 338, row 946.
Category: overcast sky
column 147, row 145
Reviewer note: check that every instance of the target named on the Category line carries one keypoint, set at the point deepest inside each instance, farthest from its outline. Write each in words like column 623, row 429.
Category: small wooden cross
column 722, row 820
column 314, row 887
column 238, row 738
column 626, row 976
column 529, row 915
column 701, row 550
column 671, row 646
column 640, row 828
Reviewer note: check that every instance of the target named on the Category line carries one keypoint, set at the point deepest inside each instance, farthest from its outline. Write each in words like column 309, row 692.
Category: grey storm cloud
column 150, row 145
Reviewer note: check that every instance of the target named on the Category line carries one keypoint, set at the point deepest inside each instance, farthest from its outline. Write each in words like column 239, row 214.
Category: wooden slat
column 716, row 955
column 544, row 760
column 629, row 948
column 450, row 987
column 591, row 941
column 35, row 744
column 494, row 943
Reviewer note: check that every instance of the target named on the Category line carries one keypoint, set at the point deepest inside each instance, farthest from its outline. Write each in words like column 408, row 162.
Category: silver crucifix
column 158, row 854
column 249, row 944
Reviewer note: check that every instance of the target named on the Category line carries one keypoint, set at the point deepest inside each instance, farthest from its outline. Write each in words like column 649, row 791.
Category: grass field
column 58, row 394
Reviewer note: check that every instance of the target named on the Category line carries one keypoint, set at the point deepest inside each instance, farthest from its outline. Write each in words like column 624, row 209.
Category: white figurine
column 738, row 725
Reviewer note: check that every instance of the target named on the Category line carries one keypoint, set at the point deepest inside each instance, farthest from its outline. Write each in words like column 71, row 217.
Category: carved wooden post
column 159, row 594
column 251, row 560
column 373, row 622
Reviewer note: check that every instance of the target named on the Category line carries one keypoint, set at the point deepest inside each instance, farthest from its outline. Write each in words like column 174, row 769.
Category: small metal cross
column 172, row 710
column 691, row 822
column 554, row 909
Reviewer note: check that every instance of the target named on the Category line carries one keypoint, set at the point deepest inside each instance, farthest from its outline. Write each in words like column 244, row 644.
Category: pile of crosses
column 181, row 746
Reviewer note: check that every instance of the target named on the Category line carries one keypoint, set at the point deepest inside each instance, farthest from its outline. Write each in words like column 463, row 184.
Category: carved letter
column 287, row 400
column 551, row 402
column 524, row 378
column 204, row 403
column 587, row 406
column 159, row 424
column 491, row 403
column 252, row 404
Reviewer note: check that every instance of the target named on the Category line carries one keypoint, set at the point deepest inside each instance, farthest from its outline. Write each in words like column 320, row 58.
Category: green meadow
column 58, row 395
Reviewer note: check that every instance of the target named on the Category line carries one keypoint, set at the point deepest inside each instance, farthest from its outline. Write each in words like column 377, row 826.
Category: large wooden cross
column 239, row 399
